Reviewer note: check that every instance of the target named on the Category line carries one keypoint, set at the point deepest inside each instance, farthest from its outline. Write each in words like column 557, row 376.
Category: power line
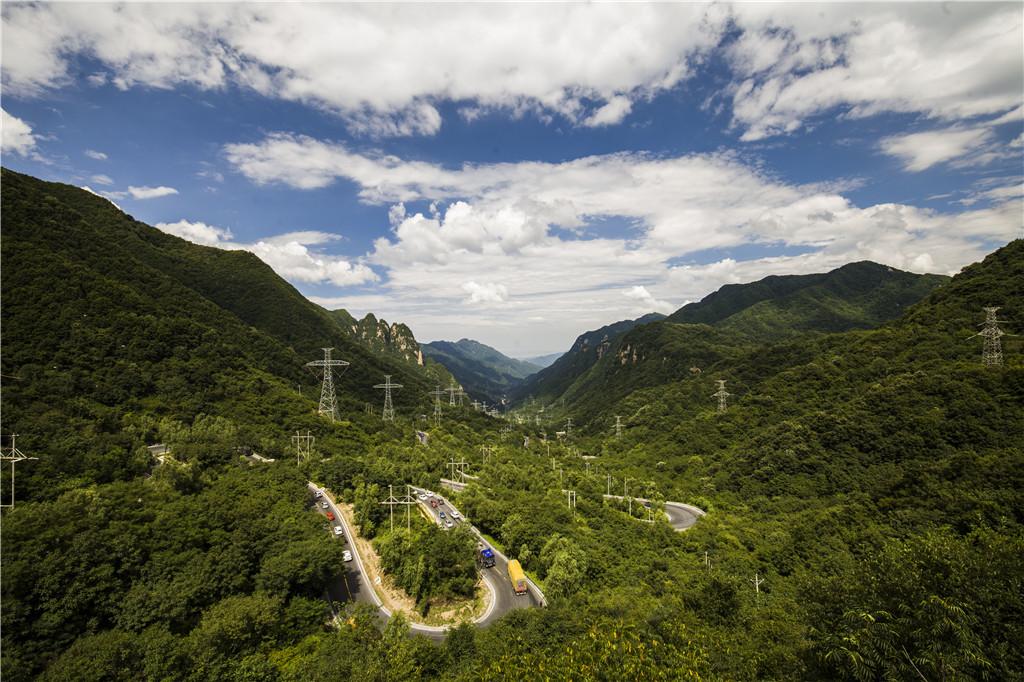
column 437, row 393
column 389, row 408
column 303, row 445
column 14, row 455
column 328, row 407
column 992, row 350
column 722, row 396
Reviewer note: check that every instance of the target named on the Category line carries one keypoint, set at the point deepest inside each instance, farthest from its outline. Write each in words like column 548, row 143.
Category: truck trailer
column 516, row 575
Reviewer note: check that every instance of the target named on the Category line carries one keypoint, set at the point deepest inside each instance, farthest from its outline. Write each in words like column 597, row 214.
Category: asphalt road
column 680, row 516
column 353, row 584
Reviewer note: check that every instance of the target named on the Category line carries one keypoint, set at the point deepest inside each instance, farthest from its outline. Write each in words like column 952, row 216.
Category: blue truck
column 486, row 557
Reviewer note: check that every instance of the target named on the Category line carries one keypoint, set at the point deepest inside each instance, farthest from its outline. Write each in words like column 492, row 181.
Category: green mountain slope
column 485, row 373
column 111, row 326
column 588, row 349
column 856, row 296
column 736, row 319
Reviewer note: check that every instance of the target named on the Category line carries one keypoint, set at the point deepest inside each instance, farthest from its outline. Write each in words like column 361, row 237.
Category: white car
column 337, row 530
column 324, row 505
column 421, row 496
column 347, row 556
column 448, row 523
column 319, row 494
column 430, row 494
column 455, row 515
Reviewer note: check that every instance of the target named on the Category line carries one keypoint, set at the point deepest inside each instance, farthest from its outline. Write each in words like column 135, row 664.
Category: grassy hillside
column 485, row 373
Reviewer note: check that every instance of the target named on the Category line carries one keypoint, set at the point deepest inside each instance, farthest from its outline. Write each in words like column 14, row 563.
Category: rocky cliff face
column 378, row 335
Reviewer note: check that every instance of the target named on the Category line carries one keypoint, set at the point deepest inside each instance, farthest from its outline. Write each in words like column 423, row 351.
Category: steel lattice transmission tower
column 452, row 391
column 992, row 351
column 327, row 399
column 618, row 426
column 13, row 455
column 303, row 445
column 722, row 396
column 388, row 414
column 437, row 393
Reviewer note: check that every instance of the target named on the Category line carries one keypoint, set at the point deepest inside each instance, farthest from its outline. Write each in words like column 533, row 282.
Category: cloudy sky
column 518, row 174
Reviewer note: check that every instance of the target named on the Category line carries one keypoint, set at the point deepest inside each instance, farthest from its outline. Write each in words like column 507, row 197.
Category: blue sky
column 518, row 174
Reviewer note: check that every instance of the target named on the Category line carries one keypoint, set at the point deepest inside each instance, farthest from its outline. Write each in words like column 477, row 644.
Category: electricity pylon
column 722, row 396
column 437, row 393
column 389, row 408
column 303, row 445
column 618, row 426
column 992, row 351
column 568, row 427
column 13, row 455
column 451, row 391
column 327, row 400
column 486, row 451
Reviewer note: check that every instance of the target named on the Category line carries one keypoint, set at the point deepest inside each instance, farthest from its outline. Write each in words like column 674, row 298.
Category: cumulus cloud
column 289, row 254
column 151, row 192
column 488, row 292
column 613, row 112
column 647, row 300
column 950, row 62
column 328, row 55
column 93, row 154
column 197, row 232
column 15, row 135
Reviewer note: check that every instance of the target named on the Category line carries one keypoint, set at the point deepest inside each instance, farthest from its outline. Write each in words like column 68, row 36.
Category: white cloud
column 197, row 232
column 151, row 192
column 948, row 61
column 102, row 179
column 488, row 292
column 647, row 300
column 568, row 60
column 920, row 151
column 15, row 135
column 288, row 254
column 93, row 154
column 613, row 112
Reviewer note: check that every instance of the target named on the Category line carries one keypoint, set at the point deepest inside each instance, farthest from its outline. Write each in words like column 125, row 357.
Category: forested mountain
column 869, row 482
column 111, row 326
column 733, row 320
column 856, row 296
column 589, row 347
column 485, row 373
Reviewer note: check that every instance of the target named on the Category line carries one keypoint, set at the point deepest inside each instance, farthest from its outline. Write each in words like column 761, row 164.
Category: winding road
column 354, row 584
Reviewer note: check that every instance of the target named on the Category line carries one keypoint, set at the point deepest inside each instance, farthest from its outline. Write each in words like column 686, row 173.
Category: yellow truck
column 516, row 575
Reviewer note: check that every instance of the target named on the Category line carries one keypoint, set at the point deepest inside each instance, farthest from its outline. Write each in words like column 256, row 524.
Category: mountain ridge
column 484, row 372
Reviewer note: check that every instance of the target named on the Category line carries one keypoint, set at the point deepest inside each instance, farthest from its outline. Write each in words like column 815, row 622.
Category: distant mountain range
column 543, row 360
column 484, row 373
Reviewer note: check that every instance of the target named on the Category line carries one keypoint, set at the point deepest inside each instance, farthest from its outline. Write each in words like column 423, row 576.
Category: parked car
column 347, row 556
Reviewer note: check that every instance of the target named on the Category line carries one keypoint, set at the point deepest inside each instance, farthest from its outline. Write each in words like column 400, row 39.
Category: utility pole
column 609, row 485
column 328, row 407
column 572, row 501
column 722, row 396
column 388, row 414
column 391, row 502
column 437, row 393
column 707, row 562
column 13, row 455
column 618, row 426
column 408, row 501
column 757, row 582
column 568, row 427
column 303, row 445
column 992, row 351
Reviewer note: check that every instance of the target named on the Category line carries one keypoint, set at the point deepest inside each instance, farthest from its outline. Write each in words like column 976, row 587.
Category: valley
column 799, row 530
